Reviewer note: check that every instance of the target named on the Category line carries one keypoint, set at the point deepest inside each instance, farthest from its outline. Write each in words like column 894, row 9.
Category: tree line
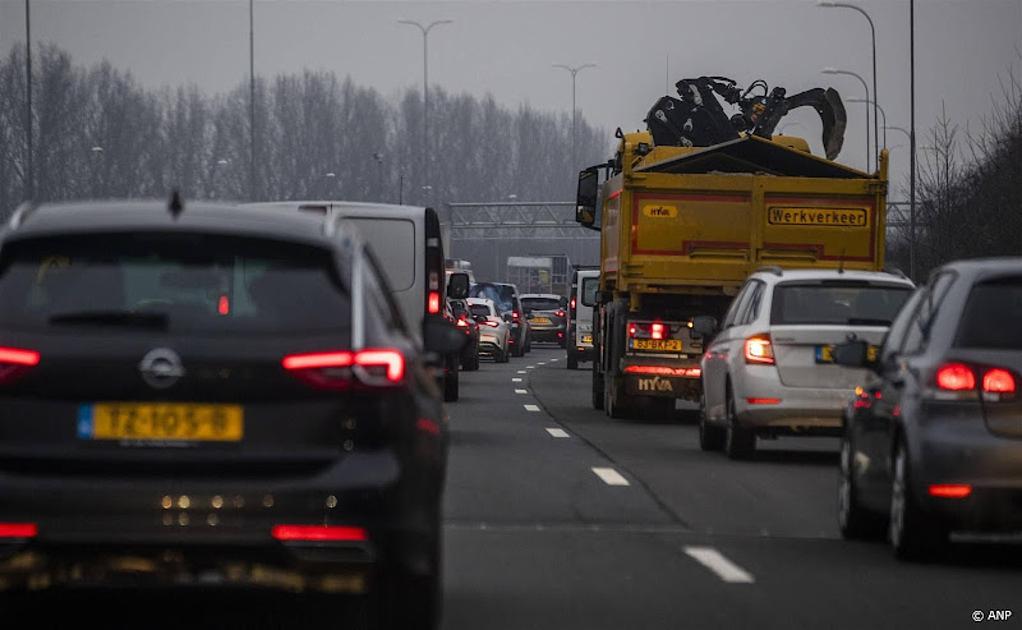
column 98, row 133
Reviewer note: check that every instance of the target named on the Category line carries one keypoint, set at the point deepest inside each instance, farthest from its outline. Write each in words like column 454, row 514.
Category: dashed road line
column 715, row 561
column 521, row 391
column 531, row 407
column 522, row 372
column 610, row 476
column 516, row 380
column 530, row 367
column 557, row 433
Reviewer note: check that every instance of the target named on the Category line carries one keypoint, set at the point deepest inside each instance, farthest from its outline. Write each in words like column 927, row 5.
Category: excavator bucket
column 831, row 109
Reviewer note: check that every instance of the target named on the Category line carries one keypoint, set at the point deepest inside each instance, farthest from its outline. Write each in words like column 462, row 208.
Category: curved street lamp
column 574, row 73
column 865, row 87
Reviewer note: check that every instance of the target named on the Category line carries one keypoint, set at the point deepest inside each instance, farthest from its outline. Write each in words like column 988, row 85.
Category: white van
column 584, row 284
column 407, row 243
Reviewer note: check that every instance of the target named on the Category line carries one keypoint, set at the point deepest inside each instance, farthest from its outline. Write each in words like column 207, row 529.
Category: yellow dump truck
column 681, row 228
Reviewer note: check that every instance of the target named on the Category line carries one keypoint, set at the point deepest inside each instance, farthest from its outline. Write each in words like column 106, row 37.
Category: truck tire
column 617, row 404
column 597, row 385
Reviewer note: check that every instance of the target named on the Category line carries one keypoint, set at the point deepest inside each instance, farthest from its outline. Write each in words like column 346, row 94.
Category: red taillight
column 760, row 350
column 491, row 324
column 656, row 330
column 433, row 303
column 956, row 377
column 999, row 381
column 319, row 533
column 515, row 315
column 427, row 425
column 572, row 303
column 763, row 401
column 664, row 370
column 372, row 367
column 461, row 323
column 18, row 356
column 950, row 490
column 223, row 305
column 632, row 329
column 18, row 530
column 559, row 313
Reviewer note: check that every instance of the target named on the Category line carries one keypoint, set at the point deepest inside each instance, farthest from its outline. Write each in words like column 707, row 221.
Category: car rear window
column 844, row 303
column 184, row 283
column 393, row 242
column 992, row 315
column 501, row 294
column 541, row 304
column 480, row 309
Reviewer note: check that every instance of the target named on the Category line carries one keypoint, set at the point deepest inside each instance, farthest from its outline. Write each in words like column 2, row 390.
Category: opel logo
column 161, row 368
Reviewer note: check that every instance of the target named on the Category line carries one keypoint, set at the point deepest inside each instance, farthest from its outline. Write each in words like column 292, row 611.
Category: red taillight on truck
column 759, row 349
column 339, row 370
column 16, row 361
column 656, row 330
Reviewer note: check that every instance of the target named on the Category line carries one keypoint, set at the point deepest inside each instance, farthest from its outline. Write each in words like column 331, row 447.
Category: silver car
column 494, row 329
column 770, row 370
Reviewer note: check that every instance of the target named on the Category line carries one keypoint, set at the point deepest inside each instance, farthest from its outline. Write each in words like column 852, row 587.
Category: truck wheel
column 572, row 361
column 597, row 385
column 617, row 404
column 739, row 442
column 451, row 383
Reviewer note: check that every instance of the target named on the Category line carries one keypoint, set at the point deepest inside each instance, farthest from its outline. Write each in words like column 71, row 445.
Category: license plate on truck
column 587, row 339
column 160, row 422
column 656, row 345
column 825, row 354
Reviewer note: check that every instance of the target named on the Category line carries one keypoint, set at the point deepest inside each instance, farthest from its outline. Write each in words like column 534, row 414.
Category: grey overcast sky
column 506, row 48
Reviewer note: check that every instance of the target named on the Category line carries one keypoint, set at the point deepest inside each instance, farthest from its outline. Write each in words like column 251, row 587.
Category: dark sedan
column 933, row 440
column 214, row 395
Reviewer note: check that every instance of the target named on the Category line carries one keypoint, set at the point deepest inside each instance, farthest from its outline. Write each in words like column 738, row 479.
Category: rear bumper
column 107, row 532
column 547, row 334
column 762, row 402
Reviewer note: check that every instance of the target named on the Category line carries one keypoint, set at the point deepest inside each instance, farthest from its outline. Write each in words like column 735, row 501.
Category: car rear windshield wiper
column 865, row 321
column 111, row 318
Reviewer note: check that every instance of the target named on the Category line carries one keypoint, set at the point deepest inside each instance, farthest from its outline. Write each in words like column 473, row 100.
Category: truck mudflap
column 663, row 381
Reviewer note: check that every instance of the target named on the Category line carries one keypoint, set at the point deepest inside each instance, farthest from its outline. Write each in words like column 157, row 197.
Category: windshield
column 480, row 310
column 837, row 303
column 501, row 294
column 171, row 280
column 540, row 304
column 992, row 316
column 589, row 288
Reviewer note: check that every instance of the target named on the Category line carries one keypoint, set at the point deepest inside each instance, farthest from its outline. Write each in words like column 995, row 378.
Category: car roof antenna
column 176, row 205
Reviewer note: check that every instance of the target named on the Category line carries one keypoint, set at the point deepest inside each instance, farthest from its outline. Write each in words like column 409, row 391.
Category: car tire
column 739, row 442
column 711, row 438
column 503, row 356
column 451, row 383
column 518, row 350
column 911, row 534
column 597, row 385
column 572, row 361
column 411, row 601
column 528, row 345
column 472, row 364
column 854, row 521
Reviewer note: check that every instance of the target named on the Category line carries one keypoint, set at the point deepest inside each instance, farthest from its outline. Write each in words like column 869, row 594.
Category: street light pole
column 425, row 92
column 912, row 140
column 865, row 86
column 251, row 102
column 873, row 33
column 876, row 108
column 574, row 72
column 29, row 171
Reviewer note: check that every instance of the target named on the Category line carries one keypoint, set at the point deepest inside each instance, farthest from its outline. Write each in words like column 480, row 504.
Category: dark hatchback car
column 508, row 302
column 463, row 321
column 547, row 317
column 933, row 441
column 218, row 395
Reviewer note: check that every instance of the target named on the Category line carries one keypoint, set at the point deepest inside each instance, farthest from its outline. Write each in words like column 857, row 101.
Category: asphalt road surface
column 559, row 517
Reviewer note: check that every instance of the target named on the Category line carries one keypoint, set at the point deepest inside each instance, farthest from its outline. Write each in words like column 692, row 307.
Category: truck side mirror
column 457, row 286
column 586, row 198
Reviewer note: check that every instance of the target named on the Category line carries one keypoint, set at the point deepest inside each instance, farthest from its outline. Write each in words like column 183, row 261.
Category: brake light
column 461, row 323
column 337, row 370
column 656, row 330
column 956, row 377
column 999, row 381
column 319, row 533
column 515, row 315
column 760, row 350
column 18, row 530
column 632, row 329
column 17, row 356
column 491, row 324
column 223, row 305
column 664, row 370
column 559, row 313
column 433, row 303
column 950, row 490
column 763, row 401
column 572, row 303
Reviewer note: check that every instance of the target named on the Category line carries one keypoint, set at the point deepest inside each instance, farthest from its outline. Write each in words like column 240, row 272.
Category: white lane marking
column 530, row 367
column 553, row 360
column 522, row 372
column 716, row 562
column 557, row 433
column 516, row 380
column 541, row 363
column 610, row 476
column 531, row 407
column 521, row 391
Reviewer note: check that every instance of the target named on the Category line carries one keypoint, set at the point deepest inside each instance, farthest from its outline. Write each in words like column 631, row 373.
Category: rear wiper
column 865, row 321
column 111, row 318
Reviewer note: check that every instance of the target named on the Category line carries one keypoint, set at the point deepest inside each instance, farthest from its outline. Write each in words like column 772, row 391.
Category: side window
column 931, row 299
column 900, row 325
column 751, row 310
column 736, row 305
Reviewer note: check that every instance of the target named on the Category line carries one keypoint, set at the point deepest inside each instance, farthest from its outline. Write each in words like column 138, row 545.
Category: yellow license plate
column 659, row 345
column 540, row 320
column 825, row 354
column 587, row 338
column 160, row 422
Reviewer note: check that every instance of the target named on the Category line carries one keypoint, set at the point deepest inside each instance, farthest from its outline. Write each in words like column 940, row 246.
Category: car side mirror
column 457, row 286
column 853, row 354
column 441, row 336
column 704, row 325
